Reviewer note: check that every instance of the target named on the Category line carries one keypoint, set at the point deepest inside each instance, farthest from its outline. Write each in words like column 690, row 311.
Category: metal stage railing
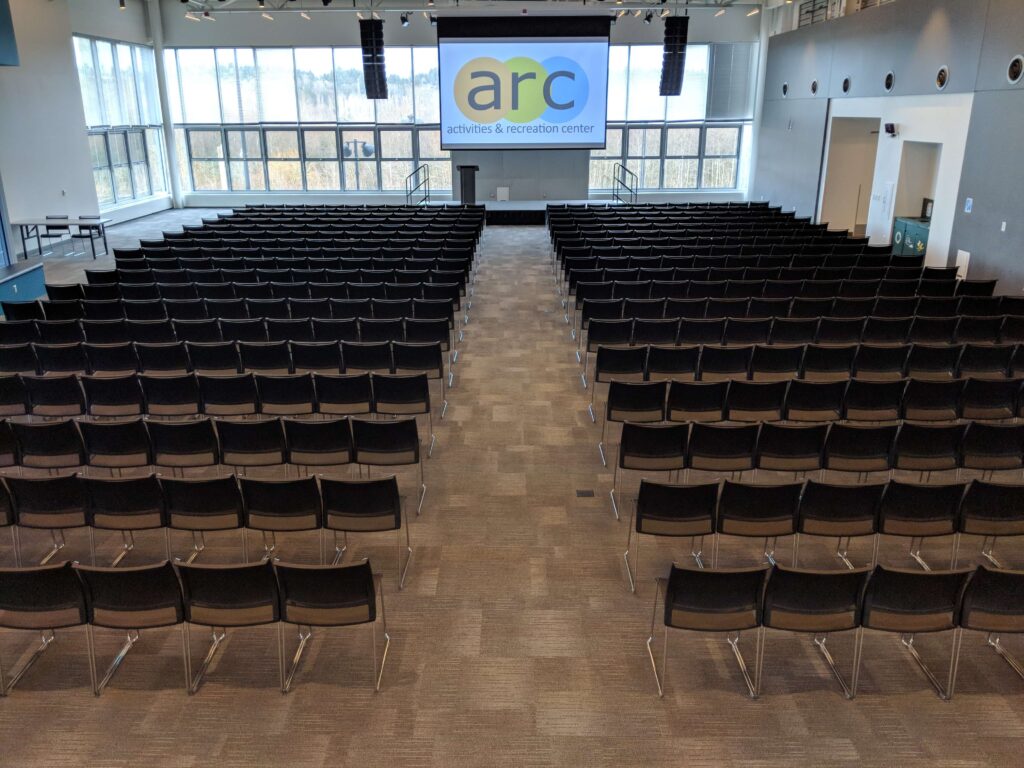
column 417, row 186
column 624, row 184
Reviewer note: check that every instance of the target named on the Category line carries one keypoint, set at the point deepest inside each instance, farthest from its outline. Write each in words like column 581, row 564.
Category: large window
column 297, row 119
column 688, row 142
column 122, row 112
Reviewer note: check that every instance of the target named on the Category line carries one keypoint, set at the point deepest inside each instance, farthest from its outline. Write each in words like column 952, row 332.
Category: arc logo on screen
column 521, row 89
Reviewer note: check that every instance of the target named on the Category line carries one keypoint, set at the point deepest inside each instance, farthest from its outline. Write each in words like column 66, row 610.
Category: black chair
column 404, row 395
column 372, row 357
column 862, row 450
column 389, row 444
column 649, row 448
column 815, row 401
column 270, row 358
column 229, row 395
column 722, row 448
column 725, row 363
column 199, row 507
column 280, row 506
column 316, row 357
column 828, row 363
column 318, row 443
column 239, row 330
column 919, row 512
column 198, row 331
column 245, row 444
column 217, row 359
column 756, row 401
column 692, row 401
column 116, row 445
column 52, row 504
column 222, row 596
column 991, row 603
column 128, row 600
column 991, row 510
column 760, row 511
column 627, row 364
column 641, row 403
column 932, row 400
column 113, row 396
column 842, row 511
column 819, row 603
column 927, row 448
column 723, row 600
column 791, row 448
column 672, row 363
column 176, row 396
column 54, row 396
column 40, row 599
column 343, row 395
column 183, row 445
column 329, row 596
column 911, row 603
column 776, row 363
column 51, row 445
column 163, row 359
column 672, row 510
column 122, row 505
column 357, row 506
column 426, row 359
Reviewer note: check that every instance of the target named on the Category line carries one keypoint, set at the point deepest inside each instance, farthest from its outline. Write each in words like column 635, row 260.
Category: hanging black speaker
column 673, row 60
column 371, row 38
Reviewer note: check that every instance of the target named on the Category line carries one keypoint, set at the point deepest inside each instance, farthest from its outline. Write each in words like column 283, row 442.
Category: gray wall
column 911, row 38
column 994, row 166
column 531, row 174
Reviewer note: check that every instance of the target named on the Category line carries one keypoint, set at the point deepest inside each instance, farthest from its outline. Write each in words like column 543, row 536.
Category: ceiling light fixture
column 665, row 13
column 191, row 16
column 721, row 12
column 648, row 17
column 260, row 3
column 306, row 16
column 267, row 16
column 120, row 5
column 753, row 11
column 404, row 18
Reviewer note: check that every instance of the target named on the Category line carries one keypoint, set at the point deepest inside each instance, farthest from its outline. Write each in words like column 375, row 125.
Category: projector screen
column 523, row 92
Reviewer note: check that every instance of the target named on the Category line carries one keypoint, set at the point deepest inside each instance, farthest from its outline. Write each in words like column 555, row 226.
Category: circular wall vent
column 846, row 85
column 890, row 81
column 814, row 86
column 942, row 78
column 1015, row 71
column 785, row 89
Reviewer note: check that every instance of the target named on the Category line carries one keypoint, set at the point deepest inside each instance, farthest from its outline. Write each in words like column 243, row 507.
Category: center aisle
column 535, row 647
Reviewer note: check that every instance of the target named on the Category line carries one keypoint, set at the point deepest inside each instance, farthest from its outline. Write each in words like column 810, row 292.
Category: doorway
column 849, row 173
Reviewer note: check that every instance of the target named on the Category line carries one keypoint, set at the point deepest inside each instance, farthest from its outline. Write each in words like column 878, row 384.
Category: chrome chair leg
column 127, row 545
column 16, row 543
column 1009, row 658
column 600, row 444
column 99, row 685
column 339, row 552
column 423, row 491
column 753, row 686
column 842, row 552
column 916, row 543
column 6, row 686
column 304, row 637
column 988, row 546
column 402, row 571
column 195, row 682
column 379, row 673
column 849, row 689
column 636, row 557
column 954, row 660
column 659, row 680
column 615, row 487
column 59, row 542
column 269, row 550
column 769, row 549
column 433, row 437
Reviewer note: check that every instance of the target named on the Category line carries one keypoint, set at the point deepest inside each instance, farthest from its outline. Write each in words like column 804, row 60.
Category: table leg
column 24, row 247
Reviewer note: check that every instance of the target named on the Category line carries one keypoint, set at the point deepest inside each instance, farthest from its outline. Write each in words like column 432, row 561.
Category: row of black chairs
column 440, row 271
column 217, row 357
column 815, row 402
column 895, row 332
column 589, row 269
column 652, row 284
column 247, row 394
column 808, row 363
column 815, row 603
column 817, row 510
column 732, row 449
column 293, row 308
column 48, row 598
column 253, row 329
column 224, row 503
column 182, row 258
column 115, row 446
